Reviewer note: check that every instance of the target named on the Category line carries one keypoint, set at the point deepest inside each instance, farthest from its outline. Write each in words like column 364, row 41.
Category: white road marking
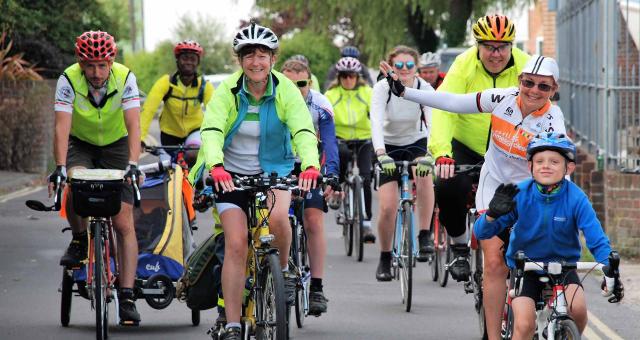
column 20, row 193
column 589, row 334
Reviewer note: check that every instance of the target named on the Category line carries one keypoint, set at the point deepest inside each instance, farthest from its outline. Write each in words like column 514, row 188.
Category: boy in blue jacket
column 547, row 213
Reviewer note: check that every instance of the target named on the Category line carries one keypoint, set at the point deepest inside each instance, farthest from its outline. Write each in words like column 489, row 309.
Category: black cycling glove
column 395, row 86
column 59, row 172
column 131, row 171
column 502, row 202
column 611, row 279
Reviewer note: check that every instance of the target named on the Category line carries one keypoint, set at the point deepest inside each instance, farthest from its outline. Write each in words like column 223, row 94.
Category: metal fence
column 597, row 49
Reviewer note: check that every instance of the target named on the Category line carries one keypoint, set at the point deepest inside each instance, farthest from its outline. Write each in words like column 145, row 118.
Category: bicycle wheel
column 507, row 324
column 566, row 329
column 302, row 292
column 347, row 220
column 406, row 256
column 476, row 278
column 358, row 214
column 443, row 256
column 100, row 283
column 65, row 302
column 195, row 317
column 271, row 321
column 433, row 260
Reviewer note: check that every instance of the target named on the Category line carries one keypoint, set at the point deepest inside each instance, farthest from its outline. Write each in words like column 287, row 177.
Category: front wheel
column 347, row 220
column 566, row 329
column 433, row 260
column 65, row 301
column 195, row 317
column 358, row 225
column 406, row 256
column 100, row 285
column 443, row 256
column 272, row 306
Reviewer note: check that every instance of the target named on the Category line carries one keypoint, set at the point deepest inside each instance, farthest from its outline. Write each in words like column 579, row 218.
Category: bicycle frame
column 406, row 196
column 103, row 229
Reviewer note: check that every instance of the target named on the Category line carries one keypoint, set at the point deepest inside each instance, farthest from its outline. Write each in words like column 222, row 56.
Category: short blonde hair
column 296, row 66
column 402, row 49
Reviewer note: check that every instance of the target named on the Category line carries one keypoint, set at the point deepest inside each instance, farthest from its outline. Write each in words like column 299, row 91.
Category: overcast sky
column 160, row 16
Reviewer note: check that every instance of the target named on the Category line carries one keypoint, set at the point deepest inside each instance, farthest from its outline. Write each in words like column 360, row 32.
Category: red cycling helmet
column 96, row 46
column 189, row 46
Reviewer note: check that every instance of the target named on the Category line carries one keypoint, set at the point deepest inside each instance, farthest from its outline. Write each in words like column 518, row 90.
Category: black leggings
column 364, row 163
column 452, row 194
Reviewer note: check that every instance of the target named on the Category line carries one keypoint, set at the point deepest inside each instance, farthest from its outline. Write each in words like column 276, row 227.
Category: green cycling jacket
column 351, row 111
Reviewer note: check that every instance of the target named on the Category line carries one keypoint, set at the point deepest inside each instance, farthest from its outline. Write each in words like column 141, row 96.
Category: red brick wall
column 542, row 23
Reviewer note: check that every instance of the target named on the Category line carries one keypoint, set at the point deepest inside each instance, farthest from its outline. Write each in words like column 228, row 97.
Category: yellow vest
column 98, row 123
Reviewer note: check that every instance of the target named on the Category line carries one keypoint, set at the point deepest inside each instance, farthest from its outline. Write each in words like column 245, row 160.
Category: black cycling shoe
column 317, row 303
column 232, row 333
column 459, row 267
column 368, row 236
column 290, row 285
column 129, row 315
column 75, row 254
column 217, row 331
column 425, row 247
column 383, row 273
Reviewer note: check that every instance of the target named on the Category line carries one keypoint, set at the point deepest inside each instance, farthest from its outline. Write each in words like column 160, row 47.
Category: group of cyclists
column 262, row 121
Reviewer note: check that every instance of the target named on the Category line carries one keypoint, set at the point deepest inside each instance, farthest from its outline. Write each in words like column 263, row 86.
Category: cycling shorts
column 532, row 287
column 81, row 154
column 487, row 186
column 193, row 139
column 408, row 152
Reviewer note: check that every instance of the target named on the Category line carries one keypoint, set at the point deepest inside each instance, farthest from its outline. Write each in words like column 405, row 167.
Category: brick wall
column 616, row 199
column 26, row 125
column 542, row 24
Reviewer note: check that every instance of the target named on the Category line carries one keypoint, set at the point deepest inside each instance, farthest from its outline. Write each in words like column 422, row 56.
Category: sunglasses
column 500, row 49
column 530, row 84
column 348, row 75
column 303, row 83
column 400, row 64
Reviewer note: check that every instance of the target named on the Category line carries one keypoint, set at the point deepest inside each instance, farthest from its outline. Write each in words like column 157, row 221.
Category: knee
column 525, row 326
column 494, row 266
column 235, row 248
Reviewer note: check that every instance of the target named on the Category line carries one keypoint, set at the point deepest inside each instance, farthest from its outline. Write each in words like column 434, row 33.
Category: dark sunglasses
column 530, row 84
column 348, row 75
column 303, row 83
column 400, row 64
column 500, row 48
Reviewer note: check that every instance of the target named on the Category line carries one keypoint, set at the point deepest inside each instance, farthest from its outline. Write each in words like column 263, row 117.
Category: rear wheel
column 195, row 317
column 347, row 222
column 271, row 320
column 358, row 225
column 433, row 260
column 302, row 292
column 406, row 256
column 65, row 301
column 100, row 285
column 443, row 256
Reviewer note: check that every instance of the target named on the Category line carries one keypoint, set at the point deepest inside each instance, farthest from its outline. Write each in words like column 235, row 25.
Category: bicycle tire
column 296, row 257
column 302, row 298
column 100, row 284
column 476, row 277
column 358, row 225
column 433, row 260
column 347, row 223
column 567, row 330
column 443, row 255
column 195, row 317
column 66, row 291
column 506, row 333
column 272, row 306
column 406, row 256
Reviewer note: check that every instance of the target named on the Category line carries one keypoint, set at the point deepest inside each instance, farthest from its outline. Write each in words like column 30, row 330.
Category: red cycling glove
column 444, row 160
column 310, row 174
column 219, row 174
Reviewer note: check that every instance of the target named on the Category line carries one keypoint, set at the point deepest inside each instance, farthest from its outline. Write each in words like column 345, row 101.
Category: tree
column 377, row 26
column 149, row 66
column 208, row 33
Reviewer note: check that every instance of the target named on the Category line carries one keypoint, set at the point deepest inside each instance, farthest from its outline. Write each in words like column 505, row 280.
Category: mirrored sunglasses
column 400, row 64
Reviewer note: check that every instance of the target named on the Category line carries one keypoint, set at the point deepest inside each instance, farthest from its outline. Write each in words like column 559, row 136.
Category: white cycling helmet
column 348, row 64
column 255, row 35
column 430, row 60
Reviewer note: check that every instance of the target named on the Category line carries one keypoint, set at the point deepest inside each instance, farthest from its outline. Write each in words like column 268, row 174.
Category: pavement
column 10, row 181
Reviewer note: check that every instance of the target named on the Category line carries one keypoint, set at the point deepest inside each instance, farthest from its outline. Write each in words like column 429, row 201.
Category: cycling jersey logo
column 559, row 219
column 496, row 98
column 151, row 267
column 508, row 111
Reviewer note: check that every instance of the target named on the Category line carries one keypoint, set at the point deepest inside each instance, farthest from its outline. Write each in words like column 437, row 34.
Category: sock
column 316, row 285
column 464, row 238
column 423, row 233
column 285, row 268
column 366, row 224
column 232, row 325
column 126, row 294
column 385, row 255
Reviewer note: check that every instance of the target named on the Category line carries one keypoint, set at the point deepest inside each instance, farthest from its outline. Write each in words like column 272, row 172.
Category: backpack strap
column 423, row 119
column 173, row 80
column 203, row 83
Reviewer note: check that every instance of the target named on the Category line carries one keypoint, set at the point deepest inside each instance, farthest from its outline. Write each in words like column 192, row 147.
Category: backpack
column 423, row 119
column 200, row 284
column 174, row 81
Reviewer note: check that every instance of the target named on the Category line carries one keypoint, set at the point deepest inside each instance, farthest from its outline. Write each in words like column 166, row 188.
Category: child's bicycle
column 96, row 195
column 552, row 318
column 264, row 306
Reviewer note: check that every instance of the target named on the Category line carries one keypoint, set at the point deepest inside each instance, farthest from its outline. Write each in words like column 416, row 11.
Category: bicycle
column 353, row 212
column 96, row 196
column 264, row 306
column 552, row 318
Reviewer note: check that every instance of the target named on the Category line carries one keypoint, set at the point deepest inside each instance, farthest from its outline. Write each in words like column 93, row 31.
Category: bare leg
column 387, row 203
column 127, row 245
column 494, row 285
column 234, row 224
column 314, row 226
column 279, row 224
column 524, row 314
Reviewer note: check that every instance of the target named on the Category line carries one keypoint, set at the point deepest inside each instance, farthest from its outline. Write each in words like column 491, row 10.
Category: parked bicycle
column 96, row 196
column 552, row 317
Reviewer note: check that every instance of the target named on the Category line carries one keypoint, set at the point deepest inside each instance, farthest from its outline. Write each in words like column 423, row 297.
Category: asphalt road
column 359, row 307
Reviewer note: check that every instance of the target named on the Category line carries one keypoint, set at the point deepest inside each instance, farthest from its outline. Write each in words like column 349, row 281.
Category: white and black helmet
column 255, row 35
column 430, row 59
column 348, row 64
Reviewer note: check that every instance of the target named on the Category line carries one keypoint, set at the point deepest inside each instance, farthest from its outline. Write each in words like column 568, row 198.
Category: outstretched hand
column 502, row 202
column 396, row 86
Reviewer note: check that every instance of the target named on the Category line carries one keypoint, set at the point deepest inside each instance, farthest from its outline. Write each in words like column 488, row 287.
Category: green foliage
column 318, row 49
column 208, row 33
column 149, row 66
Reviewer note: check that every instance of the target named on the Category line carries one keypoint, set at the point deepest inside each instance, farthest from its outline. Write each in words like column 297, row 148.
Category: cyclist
column 429, row 69
column 399, row 132
column 314, row 204
column 252, row 123
column 551, row 158
column 518, row 114
column 97, row 114
column 351, row 98
column 184, row 93
column 315, row 84
column 347, row 51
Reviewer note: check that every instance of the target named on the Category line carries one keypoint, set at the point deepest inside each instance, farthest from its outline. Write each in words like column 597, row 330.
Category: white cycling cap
column 542, row 66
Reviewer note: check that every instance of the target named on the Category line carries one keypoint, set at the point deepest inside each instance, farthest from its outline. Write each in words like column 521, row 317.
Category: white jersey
column 506, row 158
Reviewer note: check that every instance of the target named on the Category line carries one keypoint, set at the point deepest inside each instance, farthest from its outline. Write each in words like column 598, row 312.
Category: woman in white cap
column 518, row 114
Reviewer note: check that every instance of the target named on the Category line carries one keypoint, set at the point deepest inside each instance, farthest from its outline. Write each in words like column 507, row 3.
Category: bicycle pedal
column 468, row 287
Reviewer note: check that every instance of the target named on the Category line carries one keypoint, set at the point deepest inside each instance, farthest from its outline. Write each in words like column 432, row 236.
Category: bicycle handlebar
column 153, row 149
column 159, row 166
